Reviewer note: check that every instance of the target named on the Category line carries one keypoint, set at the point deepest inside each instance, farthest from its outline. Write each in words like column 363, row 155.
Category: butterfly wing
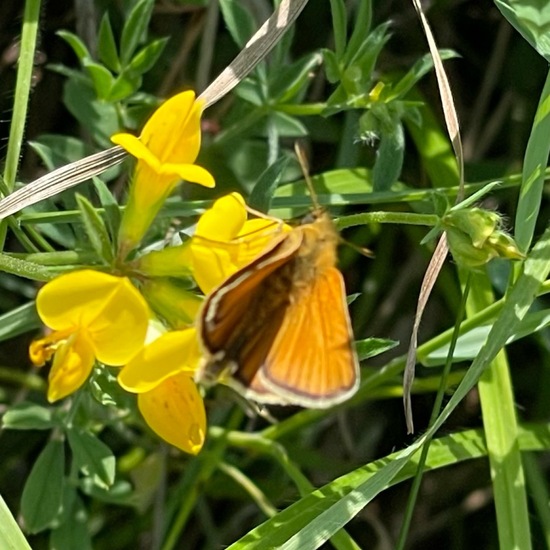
column 312, row 361
column 231, row 327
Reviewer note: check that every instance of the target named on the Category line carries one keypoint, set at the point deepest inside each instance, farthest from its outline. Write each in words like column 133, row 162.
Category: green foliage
column 356, row 85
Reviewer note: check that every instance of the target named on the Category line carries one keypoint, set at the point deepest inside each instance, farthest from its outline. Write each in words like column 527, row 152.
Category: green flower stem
column 21, row 236
column 403, row 218
column 199, row 471
column 255, row 493
column 257, row 443
column 502, row 437
column 41, row 242
column 22, row 90
column 436, row 409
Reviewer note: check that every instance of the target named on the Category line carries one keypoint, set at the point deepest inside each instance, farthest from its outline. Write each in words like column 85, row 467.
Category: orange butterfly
column 280, row 325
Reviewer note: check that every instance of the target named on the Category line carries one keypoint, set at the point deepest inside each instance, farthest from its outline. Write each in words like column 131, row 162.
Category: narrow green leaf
column 418, row 70
column 106, row 45
column 389, row 159
column 239, row 21
column 292, row 80
column 111, row 208
column 72, row 531
column 92, row 457
column 95, row 229
column 533, row 177
column 332, row 67
column 501, row 434
column 470, row 342
column 371, row 347
column 339, row 26
column 11, row 536
column 43, row 492
column 76, row 44
column 25, row 269
column 101, row 77
column 19, row 320
column 27, row 416
column 361, row 27
column 531, row 20
column 262, row 194
column 135, row 29
column 123, row 87
column 146, row 58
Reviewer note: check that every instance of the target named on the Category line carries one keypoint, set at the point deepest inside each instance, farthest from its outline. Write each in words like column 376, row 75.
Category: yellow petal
column 171, row 353
column 174, row 410
column 110, row 308
column 72, row 364
column 173, row 132
column 118, row 333
column 224, row 241
column 188, row 172
column 136, row 148
column 224, row 220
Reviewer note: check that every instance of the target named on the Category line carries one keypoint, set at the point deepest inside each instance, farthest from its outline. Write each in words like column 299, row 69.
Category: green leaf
column 72, row 531
column 123, row 87
column 101, row 77
column 22, row 268
column 470, row 342
column 250, row 90
column 111, row 207
column 292, row 80
column 135, row 29
column 11, row 536
column 239, row 21
column 531, row 20
column 98, row 117
column 339, row 26
column 27, row 416
column 106, row 45
column 146, row 58
column 332, row 67
column 76, row 44
column 95, row 229
column 18, row 321
column 418, row 70
column 368, row 51
column 43, row 492
column 373, row 346
column 389, row 159
column 361, row 27
column 287, row 125
column 260, row 198
column 533, row 175
column 92, row 457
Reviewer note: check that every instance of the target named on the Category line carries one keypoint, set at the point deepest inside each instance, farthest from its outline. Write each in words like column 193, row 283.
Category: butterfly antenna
column 304, row 165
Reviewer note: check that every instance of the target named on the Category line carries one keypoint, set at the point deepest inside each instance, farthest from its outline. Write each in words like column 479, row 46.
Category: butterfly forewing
column 237, row 324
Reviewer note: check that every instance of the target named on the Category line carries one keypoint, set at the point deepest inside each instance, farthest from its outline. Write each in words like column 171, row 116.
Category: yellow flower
column 93, row 316
column 225, row 241
column 162, row 376
column 166, row 152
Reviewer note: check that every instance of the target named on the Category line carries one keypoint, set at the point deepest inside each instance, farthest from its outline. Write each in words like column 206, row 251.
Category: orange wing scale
column 313, row 357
